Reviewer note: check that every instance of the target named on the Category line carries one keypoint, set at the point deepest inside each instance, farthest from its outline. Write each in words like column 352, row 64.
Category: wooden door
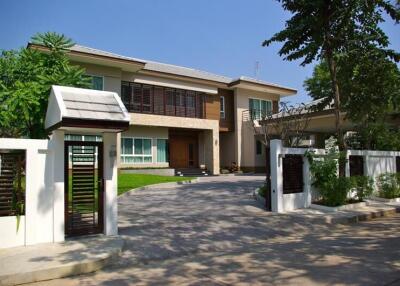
column 183, row 152
column 178, row 154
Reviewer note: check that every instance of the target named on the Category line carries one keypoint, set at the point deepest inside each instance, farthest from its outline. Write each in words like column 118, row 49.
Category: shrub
column 263, row 191
column 389, row 185
column 333, row 190
column 363, row 186
column 336, row 193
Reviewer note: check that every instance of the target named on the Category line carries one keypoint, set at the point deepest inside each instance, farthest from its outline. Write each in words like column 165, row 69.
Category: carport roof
column 85, row 108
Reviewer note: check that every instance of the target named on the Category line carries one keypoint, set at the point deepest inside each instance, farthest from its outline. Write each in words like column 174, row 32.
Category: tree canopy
column 329, row 30
column 26, row 77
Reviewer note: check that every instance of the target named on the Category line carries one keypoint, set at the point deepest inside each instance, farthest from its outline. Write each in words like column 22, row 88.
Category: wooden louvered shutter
column 147, row 99
column 137, row 97
column 158, row 100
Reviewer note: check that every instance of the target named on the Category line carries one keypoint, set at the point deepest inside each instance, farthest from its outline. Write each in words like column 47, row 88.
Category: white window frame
column 122, row 156
column 222, row 112
column 261, row 99
column 102, row 77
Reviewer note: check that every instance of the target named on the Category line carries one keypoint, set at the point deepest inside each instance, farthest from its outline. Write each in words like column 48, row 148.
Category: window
column 143, row 98
column 162, row 150
column 259, row 108
column 136, row 150
column 258, row 147
column 97, row 82
column 222, row 106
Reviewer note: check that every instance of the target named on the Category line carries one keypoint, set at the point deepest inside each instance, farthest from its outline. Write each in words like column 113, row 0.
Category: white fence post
column 347, row 170
column 276, row 176
column 307, row 182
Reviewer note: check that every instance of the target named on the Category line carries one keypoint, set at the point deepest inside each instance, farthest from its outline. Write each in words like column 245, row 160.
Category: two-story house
column 181, row 117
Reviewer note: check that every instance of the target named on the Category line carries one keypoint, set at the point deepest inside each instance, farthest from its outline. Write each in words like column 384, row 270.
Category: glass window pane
column 97, row 82
column 90, row 138
column 137, row 159
column 147, row 160
column 147, row 146
column 128, row 159
column 161, row 150
column 126, row 146
column 73, row 137
column 138, row 146
column 269, row 107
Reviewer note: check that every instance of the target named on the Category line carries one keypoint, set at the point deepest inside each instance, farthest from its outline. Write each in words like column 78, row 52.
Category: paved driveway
column 212, row 233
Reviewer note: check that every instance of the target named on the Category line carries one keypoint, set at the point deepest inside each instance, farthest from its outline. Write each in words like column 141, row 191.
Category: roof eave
column 283, row 91
column 89, row 57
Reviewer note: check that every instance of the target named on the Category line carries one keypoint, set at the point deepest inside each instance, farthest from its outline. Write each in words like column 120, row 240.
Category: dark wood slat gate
column 12, row 195
column 356, row 165
column 83, row 188
column 292, row 174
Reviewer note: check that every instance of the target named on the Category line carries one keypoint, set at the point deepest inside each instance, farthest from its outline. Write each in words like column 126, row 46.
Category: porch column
column 211, row 144
column 110, row 144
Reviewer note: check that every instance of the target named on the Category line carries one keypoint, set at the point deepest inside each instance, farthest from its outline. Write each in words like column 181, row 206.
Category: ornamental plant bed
column 385, row 200
column 388, row 187
column 349, row 205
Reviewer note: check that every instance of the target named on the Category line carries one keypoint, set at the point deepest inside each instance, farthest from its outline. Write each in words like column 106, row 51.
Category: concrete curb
column 162, row 185
column 68, row 269
column 362, row 216
column 348, row 207
column 379, row 199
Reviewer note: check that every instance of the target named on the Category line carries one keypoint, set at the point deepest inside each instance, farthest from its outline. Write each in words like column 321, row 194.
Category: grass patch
column 127, row 182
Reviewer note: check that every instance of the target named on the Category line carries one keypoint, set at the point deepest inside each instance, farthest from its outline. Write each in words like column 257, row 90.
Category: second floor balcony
column 150, row 99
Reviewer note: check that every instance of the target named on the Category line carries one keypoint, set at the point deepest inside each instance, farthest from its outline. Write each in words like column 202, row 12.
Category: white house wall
column 244, row 132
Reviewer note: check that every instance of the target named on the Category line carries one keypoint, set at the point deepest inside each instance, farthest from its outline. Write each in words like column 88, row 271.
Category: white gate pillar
column 276, row 176
column 110, row 184
column 56, row 144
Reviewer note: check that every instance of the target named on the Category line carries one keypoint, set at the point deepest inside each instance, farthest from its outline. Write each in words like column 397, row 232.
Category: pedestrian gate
column 83, row 188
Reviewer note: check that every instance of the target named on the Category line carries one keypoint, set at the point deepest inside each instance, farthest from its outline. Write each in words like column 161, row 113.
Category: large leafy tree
column 324, row 29
column 370, row 90
column 26, row 77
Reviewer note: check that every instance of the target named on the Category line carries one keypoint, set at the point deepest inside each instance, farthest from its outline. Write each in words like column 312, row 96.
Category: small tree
column 26, row 77
column 289, row 124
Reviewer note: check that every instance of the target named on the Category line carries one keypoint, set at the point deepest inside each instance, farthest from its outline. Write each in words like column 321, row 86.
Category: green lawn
column 127, row 182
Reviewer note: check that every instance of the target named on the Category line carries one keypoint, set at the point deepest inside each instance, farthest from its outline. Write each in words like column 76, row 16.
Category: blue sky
column 219, row 36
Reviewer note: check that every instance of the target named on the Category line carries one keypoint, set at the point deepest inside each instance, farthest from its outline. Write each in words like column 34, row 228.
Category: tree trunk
column 338, row 127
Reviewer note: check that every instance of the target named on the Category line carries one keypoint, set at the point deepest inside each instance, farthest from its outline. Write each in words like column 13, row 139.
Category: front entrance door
column 83, row 188
column 183, row 152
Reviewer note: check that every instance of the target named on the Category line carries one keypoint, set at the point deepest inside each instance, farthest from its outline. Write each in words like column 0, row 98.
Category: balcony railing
column 150, row 99
column 255, row 114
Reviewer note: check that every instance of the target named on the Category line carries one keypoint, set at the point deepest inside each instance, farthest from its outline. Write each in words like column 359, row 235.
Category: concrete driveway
column 213, row 233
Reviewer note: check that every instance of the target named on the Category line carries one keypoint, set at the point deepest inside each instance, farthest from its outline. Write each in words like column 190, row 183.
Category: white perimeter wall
column 37, row 224
column 375, row 163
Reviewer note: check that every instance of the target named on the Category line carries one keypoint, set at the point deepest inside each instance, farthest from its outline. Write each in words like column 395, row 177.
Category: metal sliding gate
column 83, row 188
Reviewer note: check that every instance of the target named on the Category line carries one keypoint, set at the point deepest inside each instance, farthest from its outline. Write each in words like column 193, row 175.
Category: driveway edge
column 156, row 186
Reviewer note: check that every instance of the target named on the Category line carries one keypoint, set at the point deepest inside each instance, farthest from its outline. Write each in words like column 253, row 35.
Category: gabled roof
column 184, row 71
column 79, row 107
column 157, row 66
